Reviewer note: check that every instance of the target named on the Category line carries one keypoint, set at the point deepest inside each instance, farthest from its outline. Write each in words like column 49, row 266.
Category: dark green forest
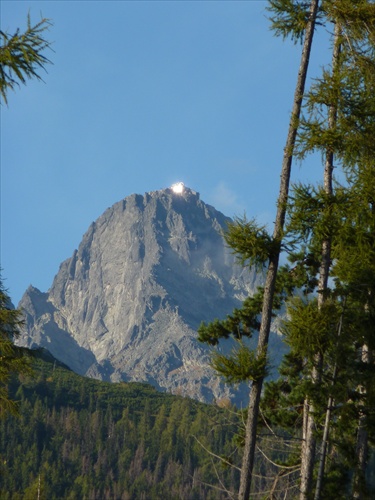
column 78, row 438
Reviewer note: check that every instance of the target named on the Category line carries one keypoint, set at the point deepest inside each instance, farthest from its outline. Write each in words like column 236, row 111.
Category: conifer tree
column 335, row 91
column 339, row 105
column 355, row 273
column 336, row 102
column 20, row 58
column 12, row 358
column 355, row 247
column 21, row 55
column 297, row 20
column 308, row 438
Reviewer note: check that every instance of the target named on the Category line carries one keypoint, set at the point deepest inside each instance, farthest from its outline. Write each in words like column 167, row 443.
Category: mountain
column 127, row 304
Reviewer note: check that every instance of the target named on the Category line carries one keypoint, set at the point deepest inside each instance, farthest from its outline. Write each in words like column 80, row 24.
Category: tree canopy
column 324, row 398
column 13, row 359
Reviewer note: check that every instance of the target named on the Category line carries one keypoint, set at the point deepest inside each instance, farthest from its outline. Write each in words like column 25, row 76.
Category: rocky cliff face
column 127, row 304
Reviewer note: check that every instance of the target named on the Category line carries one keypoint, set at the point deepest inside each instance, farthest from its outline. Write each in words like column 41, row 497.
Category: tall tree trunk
column 309, row 442
column 327, row 423
column 362, row 438
column 362, row 435
column 256, row 388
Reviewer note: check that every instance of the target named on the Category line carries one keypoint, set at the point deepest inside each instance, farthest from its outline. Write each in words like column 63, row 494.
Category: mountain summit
column 127, row 304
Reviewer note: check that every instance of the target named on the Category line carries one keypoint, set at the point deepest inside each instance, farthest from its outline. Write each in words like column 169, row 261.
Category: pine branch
column 21, row 55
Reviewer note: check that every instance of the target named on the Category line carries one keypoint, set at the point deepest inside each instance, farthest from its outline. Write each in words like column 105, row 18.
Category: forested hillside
column 80, row 438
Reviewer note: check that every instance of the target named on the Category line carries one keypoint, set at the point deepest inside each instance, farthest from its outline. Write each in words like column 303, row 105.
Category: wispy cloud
column 226, row 200
column 240, row 166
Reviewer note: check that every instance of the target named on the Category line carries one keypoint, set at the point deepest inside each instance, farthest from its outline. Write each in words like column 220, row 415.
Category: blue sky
column 141, row 94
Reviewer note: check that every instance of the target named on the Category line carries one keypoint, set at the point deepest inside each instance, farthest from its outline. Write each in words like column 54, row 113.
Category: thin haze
column 140, row 95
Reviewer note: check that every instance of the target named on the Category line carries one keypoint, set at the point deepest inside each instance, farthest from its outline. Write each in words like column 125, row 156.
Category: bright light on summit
column 178, row 187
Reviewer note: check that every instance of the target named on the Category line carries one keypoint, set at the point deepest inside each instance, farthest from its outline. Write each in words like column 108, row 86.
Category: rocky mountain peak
column 126, row 305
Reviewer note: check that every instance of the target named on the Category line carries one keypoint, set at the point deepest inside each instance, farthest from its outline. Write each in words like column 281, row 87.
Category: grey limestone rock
column 127, row 304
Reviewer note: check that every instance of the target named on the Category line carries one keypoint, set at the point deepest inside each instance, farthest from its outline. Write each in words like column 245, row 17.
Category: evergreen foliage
column 250, row 241
column 253, row 243
column 289, row 18
column 239, row 324
column 326, row 389
column 331, row 329
column 81, row 438
column 21, row 55
column 13, row 359
column 241, row 365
